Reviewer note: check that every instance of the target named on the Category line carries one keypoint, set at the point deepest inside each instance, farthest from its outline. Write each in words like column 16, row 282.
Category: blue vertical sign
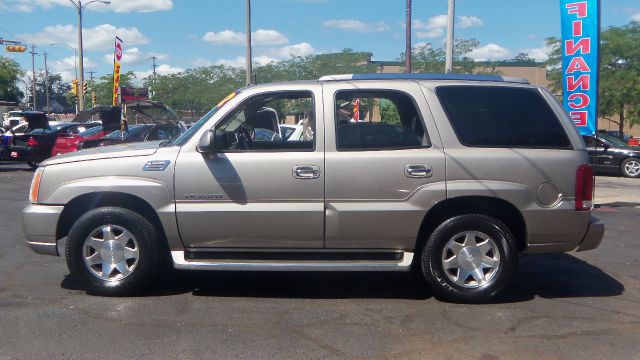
column 580, row 39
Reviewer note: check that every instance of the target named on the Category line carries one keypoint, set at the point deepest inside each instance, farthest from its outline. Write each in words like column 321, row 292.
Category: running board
column 402, row 264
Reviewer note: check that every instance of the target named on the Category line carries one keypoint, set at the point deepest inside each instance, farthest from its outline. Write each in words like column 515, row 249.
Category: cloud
column 134, row 56
column 119, row 6
column 163, row 69
column 436, row 26
column 100, row 37
column 538, row 54
column 635, row 17
column 301, row 49
column 202, row 62
column 356, row 25
column 66, row 67
column 469, row 21
column 489, row 52
column 260, row 37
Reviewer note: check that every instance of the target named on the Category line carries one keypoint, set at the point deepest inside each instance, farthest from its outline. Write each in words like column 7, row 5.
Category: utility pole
column 153, row 79
column 407, row 51
column 33, row 74
column 46, row 80
column 91, row 75
column 79, row 7
column 448, row 67
column 248, row 52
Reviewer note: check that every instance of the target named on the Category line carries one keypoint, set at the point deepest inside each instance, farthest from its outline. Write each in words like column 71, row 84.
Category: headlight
column 35, row 185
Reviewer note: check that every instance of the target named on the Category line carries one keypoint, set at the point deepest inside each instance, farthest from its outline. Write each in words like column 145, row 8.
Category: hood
column 36, row 120
column 149, row 112
column 107, row 152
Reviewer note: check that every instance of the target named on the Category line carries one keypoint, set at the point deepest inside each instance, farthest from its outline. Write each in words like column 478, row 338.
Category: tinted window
column 134, row 130
column 91, row 132
column 502, row 117
column 375, row 120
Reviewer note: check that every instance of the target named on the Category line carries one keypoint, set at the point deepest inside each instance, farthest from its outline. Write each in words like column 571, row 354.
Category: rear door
column 385, row 164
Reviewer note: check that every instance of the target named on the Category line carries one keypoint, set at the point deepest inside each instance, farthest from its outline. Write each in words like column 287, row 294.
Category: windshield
column 613, row 140
column 182, row 139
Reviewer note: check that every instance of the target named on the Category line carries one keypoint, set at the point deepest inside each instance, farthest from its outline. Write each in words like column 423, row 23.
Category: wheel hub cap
column 111, row 252
column 470, row 259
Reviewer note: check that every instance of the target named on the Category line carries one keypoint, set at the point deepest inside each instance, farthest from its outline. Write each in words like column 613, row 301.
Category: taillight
column 32, row 142
column 584, row 188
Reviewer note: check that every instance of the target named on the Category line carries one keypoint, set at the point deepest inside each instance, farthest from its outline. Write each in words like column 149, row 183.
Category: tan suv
column 455, row 175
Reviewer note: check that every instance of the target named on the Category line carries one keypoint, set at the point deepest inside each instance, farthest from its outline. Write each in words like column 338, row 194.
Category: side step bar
column 180, row 262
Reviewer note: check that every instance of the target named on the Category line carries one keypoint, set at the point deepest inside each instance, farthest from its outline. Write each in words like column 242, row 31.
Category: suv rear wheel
column 469, row 258
column 113, row 251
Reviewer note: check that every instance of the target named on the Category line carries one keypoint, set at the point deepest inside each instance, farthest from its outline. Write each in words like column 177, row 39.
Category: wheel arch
column 497, row 208
column 79, row 205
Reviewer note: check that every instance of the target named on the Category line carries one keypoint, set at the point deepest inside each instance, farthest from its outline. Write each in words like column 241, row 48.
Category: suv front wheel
column 113, row 251
column 469, row 258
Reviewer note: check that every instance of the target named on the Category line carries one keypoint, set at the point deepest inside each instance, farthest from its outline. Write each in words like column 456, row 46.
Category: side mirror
column 606, row 146
column 205, row 144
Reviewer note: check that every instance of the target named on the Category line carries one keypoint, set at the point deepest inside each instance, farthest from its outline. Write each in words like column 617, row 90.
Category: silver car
column 450, row 175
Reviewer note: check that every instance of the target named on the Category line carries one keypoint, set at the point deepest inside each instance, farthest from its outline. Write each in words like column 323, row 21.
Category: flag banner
column 580, row 38
column 117, row 57
column 356, row 110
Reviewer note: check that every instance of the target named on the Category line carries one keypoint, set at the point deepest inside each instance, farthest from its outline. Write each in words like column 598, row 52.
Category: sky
column 184, row 34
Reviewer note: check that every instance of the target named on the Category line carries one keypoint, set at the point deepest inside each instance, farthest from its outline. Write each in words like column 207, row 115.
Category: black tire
column 628, row 168
column 443, row 285
column 144, row 234
column 33, row 164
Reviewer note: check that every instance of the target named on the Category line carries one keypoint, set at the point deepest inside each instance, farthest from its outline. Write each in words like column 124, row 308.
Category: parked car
column 36, row 143
column 101, row 120
column 12, row 119
column 614, row 156
column 441, row 181
column 136, row 133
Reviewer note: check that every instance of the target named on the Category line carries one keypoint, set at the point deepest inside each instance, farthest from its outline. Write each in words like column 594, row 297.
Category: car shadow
column 557, row 276
column 545, row 276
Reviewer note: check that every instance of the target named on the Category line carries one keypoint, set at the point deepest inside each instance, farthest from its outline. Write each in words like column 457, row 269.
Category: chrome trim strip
column 180, row 263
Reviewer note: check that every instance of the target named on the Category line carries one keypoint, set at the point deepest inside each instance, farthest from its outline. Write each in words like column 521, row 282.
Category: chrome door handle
column 306, row 172
column 418, row 171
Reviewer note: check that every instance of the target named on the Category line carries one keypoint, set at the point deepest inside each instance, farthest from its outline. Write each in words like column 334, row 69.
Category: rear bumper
column 594, row 235
column 39, row 224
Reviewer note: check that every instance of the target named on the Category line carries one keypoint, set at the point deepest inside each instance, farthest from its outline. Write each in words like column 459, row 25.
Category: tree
column 10, row 74
column 620, row 74
column 426, row 58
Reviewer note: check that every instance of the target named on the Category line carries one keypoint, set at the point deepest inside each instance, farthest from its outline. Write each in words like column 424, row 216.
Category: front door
column 259, row 190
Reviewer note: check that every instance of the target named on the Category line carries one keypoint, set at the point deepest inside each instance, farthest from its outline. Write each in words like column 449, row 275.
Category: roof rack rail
column 424, row 76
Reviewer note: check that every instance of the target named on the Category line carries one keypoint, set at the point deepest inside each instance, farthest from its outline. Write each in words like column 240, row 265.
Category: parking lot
column 563, row 306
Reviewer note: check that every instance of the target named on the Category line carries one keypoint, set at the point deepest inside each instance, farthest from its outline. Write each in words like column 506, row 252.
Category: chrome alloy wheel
column 111, row 252
column 470, row 259
column 632, row 168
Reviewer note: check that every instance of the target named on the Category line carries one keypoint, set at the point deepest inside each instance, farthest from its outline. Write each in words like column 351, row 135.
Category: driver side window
column 264, row 123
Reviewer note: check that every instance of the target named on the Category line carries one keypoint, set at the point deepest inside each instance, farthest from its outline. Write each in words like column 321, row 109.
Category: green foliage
column 389, row 112
column 10, row 74
column 619, row 72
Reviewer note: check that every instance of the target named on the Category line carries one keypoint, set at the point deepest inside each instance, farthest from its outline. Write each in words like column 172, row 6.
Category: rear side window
column 377, row 120
column 485, row 116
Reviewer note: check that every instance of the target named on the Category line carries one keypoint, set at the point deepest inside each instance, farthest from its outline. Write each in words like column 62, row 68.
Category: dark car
column 136, row 133
column 612, row 155
column 35, row 145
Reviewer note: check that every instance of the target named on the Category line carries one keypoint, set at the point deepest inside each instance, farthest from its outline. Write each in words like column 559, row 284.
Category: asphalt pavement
column 563, row 306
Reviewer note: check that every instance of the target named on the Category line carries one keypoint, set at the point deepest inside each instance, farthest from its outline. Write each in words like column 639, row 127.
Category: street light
column 75, row 55
column 79, row 8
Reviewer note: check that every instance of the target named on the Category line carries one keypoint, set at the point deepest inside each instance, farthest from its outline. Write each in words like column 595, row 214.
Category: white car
column 292, row 132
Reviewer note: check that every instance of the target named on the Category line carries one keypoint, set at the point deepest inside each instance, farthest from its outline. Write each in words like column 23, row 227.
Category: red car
column 68, row 142
column 108, row 116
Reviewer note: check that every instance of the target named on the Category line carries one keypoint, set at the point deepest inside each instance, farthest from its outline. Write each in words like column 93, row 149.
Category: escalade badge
column 156, row 165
